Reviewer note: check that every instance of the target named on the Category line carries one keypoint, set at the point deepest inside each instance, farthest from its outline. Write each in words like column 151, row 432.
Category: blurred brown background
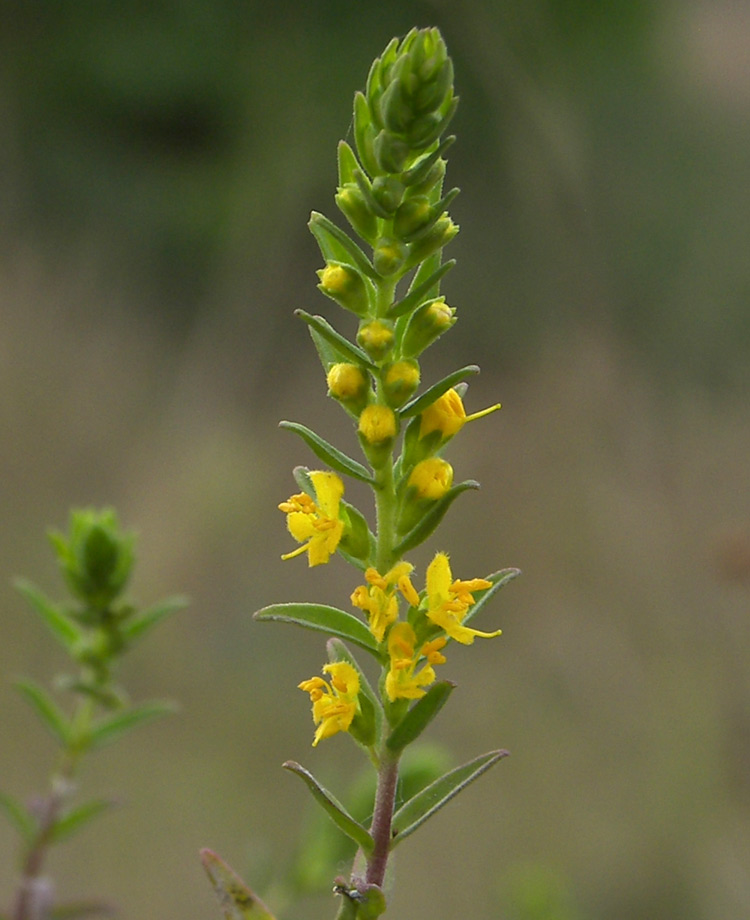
column 158, row 164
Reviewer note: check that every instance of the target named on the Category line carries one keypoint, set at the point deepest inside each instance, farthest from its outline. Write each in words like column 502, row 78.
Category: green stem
column 385, row 507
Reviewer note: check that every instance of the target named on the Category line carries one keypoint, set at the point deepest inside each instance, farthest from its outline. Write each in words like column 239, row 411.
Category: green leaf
column 432, row 798
column 335, row 811
column 237, row 901
column 347, row 163
column 499, row 580
column 419, row 533
column 77, row 817
column 358, row 541
column 423, row 291
column 61, row 626
column 436, row 390
column 138, row 626
column 18, row 816
column 322, row 618
column 327, row 353
column 328, row 453
column 420, row 715
column 107, row 730
column 372, row 710
column 345, row 348
column 338, row 246
column 46, row 708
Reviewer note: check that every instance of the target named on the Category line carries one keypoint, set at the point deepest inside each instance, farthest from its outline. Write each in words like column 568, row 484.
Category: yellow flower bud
column 426, row 324
column 431, row 478
column 376, row 338
column 377, row 424
column 344, row 285
column 346, row 382
column 400, row 380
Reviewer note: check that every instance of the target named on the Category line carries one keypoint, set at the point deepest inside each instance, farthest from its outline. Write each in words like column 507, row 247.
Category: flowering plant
column 96, row 628
column 391, row 193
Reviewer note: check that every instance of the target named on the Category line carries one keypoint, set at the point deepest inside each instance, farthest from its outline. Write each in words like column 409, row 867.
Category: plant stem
column 380, row 829
column 385, row 506
column 33, row 893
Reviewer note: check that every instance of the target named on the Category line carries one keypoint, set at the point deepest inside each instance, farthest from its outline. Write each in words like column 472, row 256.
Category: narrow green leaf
column 18, row 816
column 499, row 580
column 46, row 708
column 423, row 291
column 335, row 811
column 420, row 715
column 345, row 348
column 324, row 619
column 347, row 163
column 76, row 818
column 436, row 390
column 432, row 798
column 328, row 453
column 419, row 533
column 139, row 625
column 237, row 901
column 338, row 246
column 107, row 730
column 370, row 703
column 62, row 627
column 327, row 353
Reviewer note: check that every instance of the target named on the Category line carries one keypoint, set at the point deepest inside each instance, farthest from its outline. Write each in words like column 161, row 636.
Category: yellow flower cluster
column 334, row 705
column 378, row 597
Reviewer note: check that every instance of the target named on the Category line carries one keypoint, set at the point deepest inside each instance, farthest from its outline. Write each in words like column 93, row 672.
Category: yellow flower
column 377, row 424
column 316, row 524
column 431, row 478
column 448, row 416
column 403, row 681
column 448, row 601
column 378, row 597
column 334, row 705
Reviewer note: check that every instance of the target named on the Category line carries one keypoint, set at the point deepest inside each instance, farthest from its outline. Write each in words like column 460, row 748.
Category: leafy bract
column 432, row 798
column 322, row 618
column 335, row 811
column 420, row 715
column 329, row 454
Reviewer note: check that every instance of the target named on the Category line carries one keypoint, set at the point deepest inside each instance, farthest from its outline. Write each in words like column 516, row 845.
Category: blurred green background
column 157, row 167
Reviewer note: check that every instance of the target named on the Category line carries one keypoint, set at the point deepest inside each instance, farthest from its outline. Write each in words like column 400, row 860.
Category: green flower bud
column 346, row 286
column 414, row 214
column 376, row 338
column 351, row 202
column 439, row 235
column 389, row 256
column 400, row 381
column 388, row 192
column 390, row 151
column 427, row 323
column 96, row 558
column 424, row 181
